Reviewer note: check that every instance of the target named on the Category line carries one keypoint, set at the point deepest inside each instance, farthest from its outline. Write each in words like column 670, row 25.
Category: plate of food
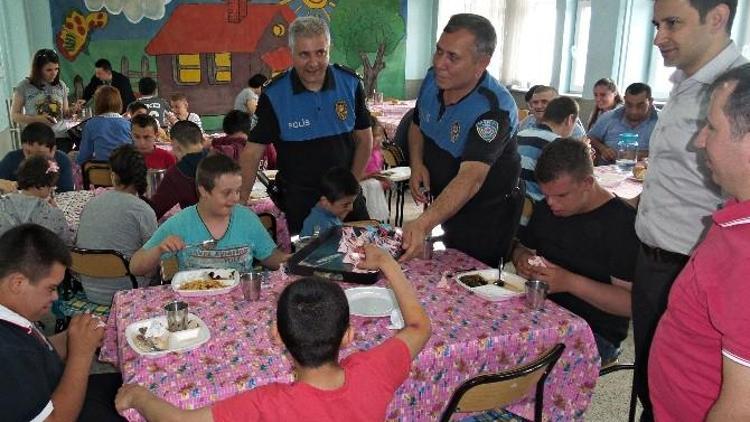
column 487, row 285
column 373, row 302
column 206, row 282
column 151, row 338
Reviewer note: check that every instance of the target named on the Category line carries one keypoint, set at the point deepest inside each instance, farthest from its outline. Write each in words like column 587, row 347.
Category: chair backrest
column 269, row 222
column 393, row 156
column 522, row 114
column 96, row 173
column 517, row 204
column 101, row 263
column 486, row 392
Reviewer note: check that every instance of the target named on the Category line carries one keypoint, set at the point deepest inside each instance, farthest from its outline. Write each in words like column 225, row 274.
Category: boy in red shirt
column 312, row 320
column 145, row 130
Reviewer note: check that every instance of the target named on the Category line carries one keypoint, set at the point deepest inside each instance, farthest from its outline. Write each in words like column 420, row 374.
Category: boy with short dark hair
column 36, row 139
column 178, row 185
column 156, row 105
column 338, row 189
column 313, row 323
column 145, row 131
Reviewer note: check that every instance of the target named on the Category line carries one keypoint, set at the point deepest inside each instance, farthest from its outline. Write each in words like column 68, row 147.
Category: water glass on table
column 177, row 313
column 536, row 293
column 250, row 282
column 627, row 152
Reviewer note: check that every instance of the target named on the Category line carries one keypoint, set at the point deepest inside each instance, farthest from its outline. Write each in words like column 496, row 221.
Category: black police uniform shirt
column 312, row 131
column 480, row 127
column 31, row 369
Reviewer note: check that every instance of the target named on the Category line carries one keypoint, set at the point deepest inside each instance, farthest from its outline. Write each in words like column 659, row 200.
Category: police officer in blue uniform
column 315, row 114
column 461, row 147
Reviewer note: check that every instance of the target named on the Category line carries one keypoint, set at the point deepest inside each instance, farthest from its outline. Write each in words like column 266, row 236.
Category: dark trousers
column 99, row 404
column 64, row 144
column 655, row 271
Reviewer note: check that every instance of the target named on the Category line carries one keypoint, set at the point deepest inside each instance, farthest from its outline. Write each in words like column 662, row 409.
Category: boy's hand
column 128, row 395
column 172, row 244
column 375, row 258
column 85, row 334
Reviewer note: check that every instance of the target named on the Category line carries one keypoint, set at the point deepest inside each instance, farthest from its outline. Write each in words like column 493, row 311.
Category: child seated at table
column 179, row 104
column 338, row 189
column 236, row 125
column 135, row 108
column 33, row 202
column 145, row 131
column 312, row 321
column 374, row 185
column 178, row 185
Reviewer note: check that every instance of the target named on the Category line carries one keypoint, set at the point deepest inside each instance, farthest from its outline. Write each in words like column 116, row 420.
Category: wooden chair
column 96, row 173
column 522, row 114
column 362, row 223
column 490, row 392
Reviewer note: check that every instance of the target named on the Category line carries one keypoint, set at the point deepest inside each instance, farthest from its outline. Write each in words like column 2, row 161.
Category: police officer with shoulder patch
column 461, row 147
column 315, row 114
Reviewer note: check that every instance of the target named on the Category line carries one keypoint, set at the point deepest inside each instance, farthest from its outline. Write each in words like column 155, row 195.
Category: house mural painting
column 208, row 49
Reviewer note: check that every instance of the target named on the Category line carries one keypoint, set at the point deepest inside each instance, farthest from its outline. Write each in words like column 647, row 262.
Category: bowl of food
column 206, row 282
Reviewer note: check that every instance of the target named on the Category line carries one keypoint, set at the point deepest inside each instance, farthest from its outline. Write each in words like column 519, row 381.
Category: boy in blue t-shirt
column 338, row 189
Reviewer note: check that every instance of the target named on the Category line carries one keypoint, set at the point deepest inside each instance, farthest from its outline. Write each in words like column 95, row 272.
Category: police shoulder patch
column 347, row 70
column 487, row 129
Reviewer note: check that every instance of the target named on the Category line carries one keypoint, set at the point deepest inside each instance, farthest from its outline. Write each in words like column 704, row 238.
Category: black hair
column 256, row 81
column 103, row 64
column 146, row 86
column 560, row 109
column 564, row 156
column 312, row 316
column 186, row 133
column 38, row 133
column 337, row 183
column 236, row 121
column 637, row 89
column 42, row 58
column 135, row 106
column 144, row 121
column 530, row 93
column 130, row 167
column 737, row 106
column 212, row 167
column 35, row 172
column 705, row 6
column 31, row 250
column 485, row 38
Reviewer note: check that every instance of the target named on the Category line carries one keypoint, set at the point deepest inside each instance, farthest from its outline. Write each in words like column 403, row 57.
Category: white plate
column 185, row 276
column 372, row 302
column 492, row 292
column 175, row 345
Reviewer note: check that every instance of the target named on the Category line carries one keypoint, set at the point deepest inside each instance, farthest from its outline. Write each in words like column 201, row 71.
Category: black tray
column 303, row 262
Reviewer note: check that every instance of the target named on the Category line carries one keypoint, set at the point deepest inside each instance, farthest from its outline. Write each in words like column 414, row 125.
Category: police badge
column 341, row 110
column 455, row 131
column 487, row 129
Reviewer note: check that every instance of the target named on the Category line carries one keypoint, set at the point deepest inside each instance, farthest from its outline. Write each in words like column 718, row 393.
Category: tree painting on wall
column 367, row 33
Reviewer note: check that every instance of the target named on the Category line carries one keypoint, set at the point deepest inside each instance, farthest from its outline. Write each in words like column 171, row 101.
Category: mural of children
column 179, row 104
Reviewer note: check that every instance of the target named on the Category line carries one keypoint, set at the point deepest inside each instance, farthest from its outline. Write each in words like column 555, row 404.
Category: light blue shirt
column 101, row 135
column 244, row 239
column 611, row 124
column 320, row 217
column 530, row 122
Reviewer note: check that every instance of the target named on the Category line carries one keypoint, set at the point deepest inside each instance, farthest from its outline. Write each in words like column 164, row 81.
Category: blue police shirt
column 611, row 124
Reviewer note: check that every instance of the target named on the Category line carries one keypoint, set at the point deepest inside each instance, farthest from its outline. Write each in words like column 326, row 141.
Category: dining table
column 470, row 336
column 621, row 183
column 390, row 113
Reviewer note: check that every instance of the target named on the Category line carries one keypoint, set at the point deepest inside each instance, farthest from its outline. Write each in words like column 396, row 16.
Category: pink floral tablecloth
column 620, row 183
column 390, row 113
column 72, row 204
column 470, row 336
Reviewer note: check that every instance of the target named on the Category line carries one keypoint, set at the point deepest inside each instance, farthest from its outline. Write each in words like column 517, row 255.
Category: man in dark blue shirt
column 315, row 114
column 461, row 147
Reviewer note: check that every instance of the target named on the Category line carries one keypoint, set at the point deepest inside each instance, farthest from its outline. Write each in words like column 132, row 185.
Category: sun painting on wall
column 321, row 8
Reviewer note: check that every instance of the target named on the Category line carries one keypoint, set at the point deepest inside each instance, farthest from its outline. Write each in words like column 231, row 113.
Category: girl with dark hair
column 33, row 203
column 606, row 98
column 43, row 97
column 117, row 219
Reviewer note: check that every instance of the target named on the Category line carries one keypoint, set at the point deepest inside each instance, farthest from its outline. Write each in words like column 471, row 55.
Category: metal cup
column 427, row 251
column 250, row 283
column 536, row 293
column 177, row 313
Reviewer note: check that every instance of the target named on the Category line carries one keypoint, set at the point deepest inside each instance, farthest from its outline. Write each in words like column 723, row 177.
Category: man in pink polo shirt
column 699, row 368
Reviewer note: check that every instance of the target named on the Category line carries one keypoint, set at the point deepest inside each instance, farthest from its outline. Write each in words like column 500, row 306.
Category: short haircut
column 144, row 121
column 178, row 96
column 130, row 167
column 42, row 58
column 638, row 88
column 107, row 100
column 541, row 89
column 308, row 27
column 186, row 133
column 559, row 109
column 705, row 6
column 38, row 133
column 737, row 107
column 103, row 64
column 337, row 183
column 212, row 167
column 35, row 172
column 31, row 250
column 530, row 93
column 485, row 38
column 147, row 86
column 564, row 156
column 256, row 81
column 236, row 121
column 312, row 316
column 135, row 106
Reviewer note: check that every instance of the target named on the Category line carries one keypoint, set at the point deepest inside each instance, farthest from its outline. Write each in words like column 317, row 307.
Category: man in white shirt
column 678, row 195
column 45, row 379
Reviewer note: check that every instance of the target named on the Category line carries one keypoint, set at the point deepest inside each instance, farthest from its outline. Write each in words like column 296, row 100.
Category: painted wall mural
column 208, row 49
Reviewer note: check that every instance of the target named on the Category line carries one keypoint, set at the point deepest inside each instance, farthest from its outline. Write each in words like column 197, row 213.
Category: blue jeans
column 607, row 350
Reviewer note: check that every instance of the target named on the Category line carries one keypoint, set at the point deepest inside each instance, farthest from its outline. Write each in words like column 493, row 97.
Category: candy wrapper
column 352, row 244
column 537, row 261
